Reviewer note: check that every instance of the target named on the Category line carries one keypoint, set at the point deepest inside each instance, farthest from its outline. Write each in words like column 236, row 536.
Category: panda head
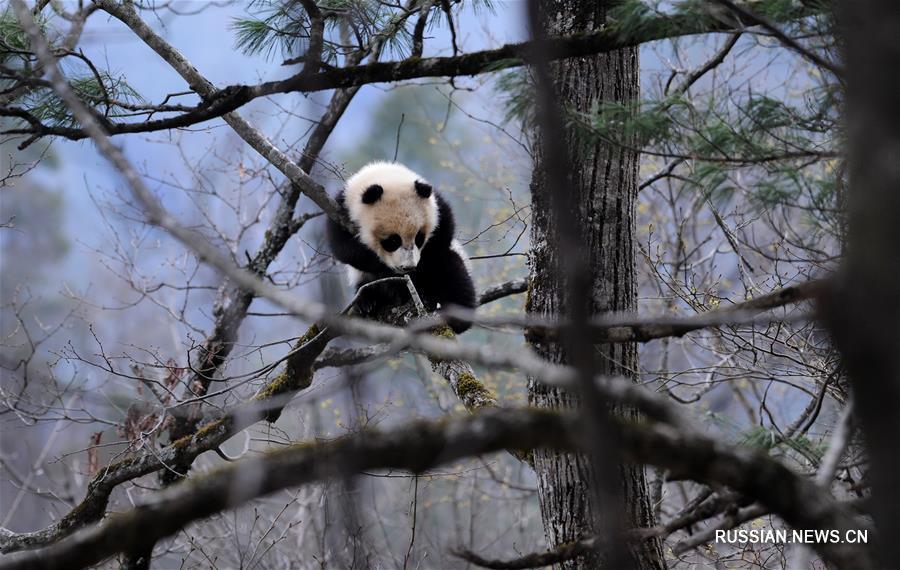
column 395, row 210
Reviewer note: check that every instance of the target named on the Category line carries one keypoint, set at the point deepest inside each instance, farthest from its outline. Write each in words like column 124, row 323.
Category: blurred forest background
column 741, row 192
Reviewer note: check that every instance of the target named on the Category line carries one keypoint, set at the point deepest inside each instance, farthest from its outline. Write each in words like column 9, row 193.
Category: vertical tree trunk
column 604, row 182
column 864, row 309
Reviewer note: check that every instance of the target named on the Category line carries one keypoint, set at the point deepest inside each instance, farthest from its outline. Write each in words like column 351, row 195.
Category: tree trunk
column 604, row 182
column 864, row 308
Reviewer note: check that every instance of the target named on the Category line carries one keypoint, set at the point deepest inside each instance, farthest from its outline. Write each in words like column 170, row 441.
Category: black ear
column 423, row 189
column 372, row 194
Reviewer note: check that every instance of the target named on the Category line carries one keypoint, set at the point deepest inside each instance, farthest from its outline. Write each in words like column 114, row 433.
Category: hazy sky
column 207, row 40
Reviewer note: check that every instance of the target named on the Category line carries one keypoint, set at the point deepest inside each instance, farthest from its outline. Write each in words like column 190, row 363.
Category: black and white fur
column 402, row 227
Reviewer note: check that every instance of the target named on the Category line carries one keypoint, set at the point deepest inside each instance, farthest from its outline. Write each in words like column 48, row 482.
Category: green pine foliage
column 634, row 19
column 768, row 440
column 517, row 91
column 275, row 28
column 103, row 92
column 281, row 28
column 13, row 38
column 101, row 89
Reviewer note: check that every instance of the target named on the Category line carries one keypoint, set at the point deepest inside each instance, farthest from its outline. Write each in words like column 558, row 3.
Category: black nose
column 406, row 268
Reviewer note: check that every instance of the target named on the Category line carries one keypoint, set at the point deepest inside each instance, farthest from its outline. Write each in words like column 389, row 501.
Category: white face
column 399, row 239
column 404, row 259
column 395, row 215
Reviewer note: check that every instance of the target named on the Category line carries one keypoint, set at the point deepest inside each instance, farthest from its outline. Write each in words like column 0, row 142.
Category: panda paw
column 378, row 298
column 366, row 304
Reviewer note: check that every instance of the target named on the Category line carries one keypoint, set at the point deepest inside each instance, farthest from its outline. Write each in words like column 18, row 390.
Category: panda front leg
column 446, row 281
column 373, row 296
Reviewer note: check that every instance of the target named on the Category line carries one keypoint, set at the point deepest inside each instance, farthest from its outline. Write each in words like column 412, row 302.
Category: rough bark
column 604, row 182
column 864, row 308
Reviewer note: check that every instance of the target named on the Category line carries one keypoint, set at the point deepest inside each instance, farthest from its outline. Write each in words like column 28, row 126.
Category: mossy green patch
column 276, row 386
column 470, row 388
column 87, row 511
column 311, row 333
column 444, row 331
column 201, row 433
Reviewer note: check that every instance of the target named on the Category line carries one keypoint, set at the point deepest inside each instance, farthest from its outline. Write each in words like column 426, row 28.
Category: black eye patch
column 423, row 189
column 420, row 239
column 392, row 242
column 372, row 194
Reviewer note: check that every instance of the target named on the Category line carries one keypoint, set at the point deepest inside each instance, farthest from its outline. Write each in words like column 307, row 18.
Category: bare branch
column 423, row 445
column 562, row 553
column 502, row 290
column 751, row 18
column 232, row 97
column 127, row 13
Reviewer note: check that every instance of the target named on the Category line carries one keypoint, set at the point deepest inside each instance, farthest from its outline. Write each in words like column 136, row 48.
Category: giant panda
column 402, row 226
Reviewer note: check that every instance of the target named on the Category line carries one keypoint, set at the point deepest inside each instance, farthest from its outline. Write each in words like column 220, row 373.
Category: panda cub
column 402, row 227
